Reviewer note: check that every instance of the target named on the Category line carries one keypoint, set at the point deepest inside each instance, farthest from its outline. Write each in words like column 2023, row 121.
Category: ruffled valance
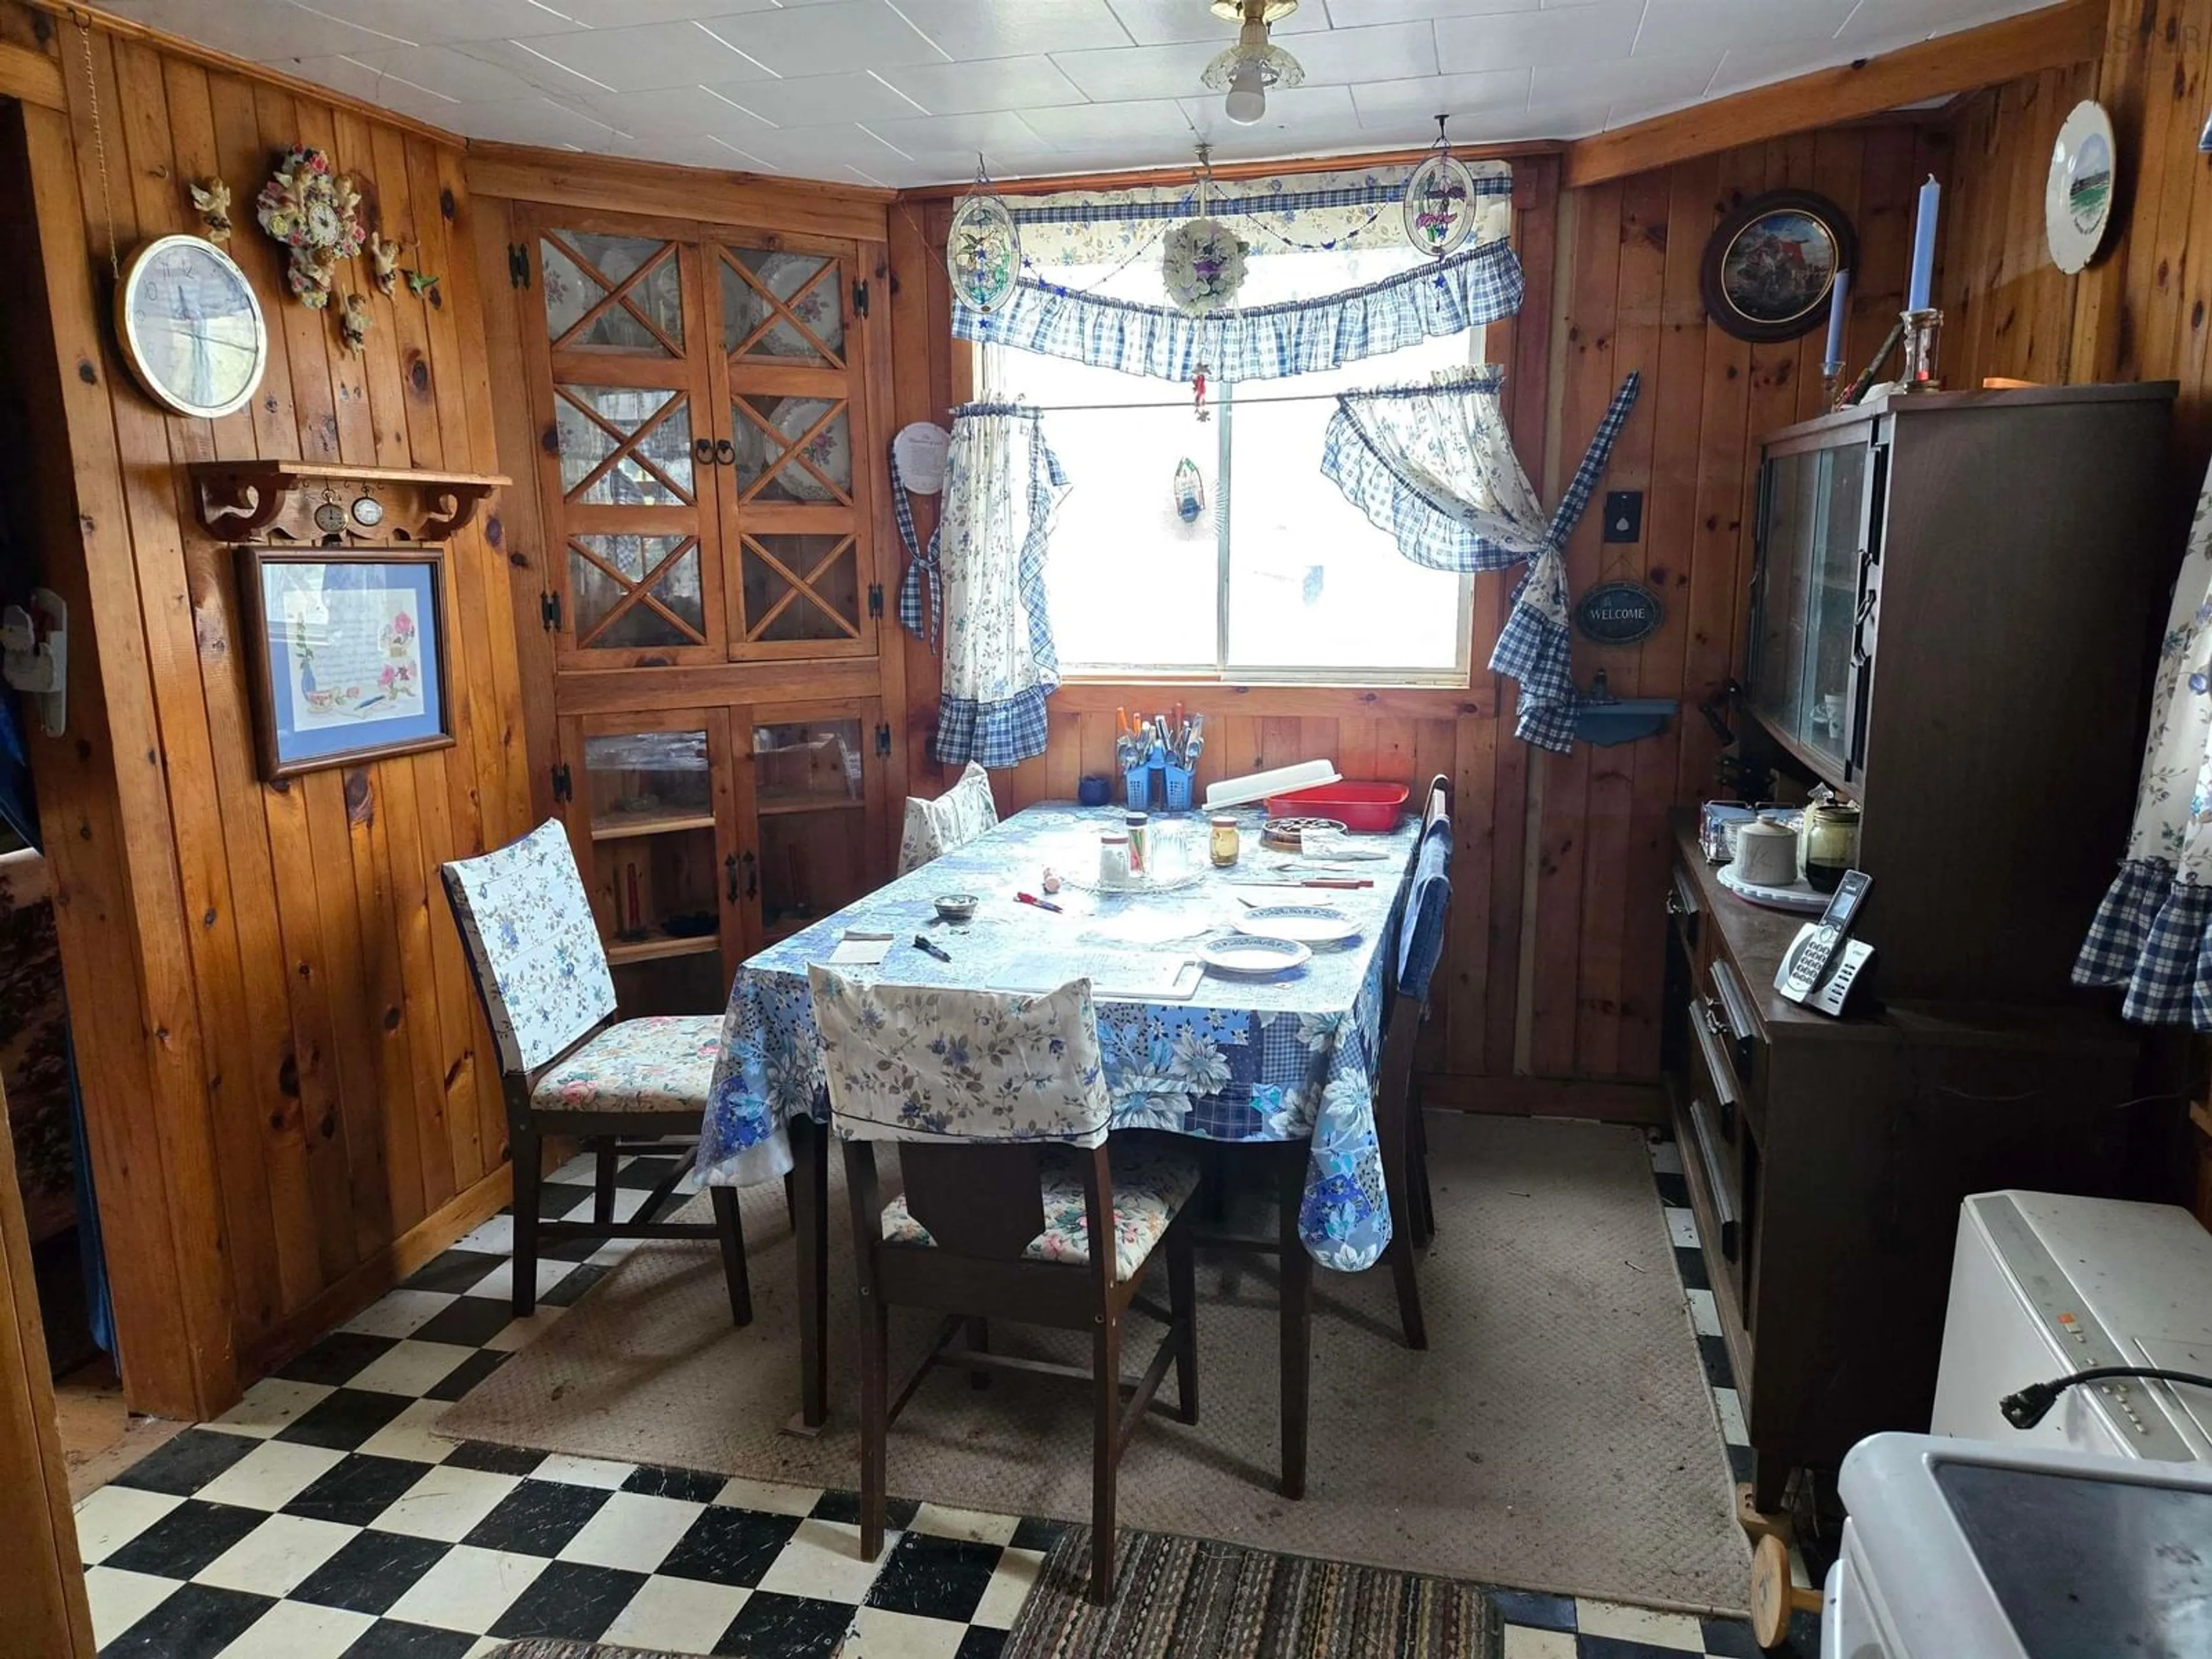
column 1434, row 465
column 1260, row 342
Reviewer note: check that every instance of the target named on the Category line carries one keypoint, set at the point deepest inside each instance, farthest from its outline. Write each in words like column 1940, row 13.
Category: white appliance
column 2044, row 1285
column 1961, row 1549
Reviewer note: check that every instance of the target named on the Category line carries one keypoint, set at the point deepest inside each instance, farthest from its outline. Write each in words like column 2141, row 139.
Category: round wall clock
column 2077, row 196
column 1767, row 270
column 191, row 327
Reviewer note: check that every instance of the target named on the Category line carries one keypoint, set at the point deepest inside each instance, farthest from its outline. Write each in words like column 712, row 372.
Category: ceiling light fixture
column 1247, row 69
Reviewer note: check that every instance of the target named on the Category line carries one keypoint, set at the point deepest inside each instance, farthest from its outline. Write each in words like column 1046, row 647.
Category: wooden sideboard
column 1826, row 1160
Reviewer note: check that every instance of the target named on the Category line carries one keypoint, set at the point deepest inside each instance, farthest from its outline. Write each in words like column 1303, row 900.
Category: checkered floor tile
column 323, row 1516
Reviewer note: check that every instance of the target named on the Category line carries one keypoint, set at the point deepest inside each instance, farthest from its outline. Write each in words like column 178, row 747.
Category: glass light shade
column 1274, row 67
column 1233, row 10
column 1248, row 95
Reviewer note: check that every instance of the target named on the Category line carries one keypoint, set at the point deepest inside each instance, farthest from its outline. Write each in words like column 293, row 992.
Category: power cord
column 2032, row 1404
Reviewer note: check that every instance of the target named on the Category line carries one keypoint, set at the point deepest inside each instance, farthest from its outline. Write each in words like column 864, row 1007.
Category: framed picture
column 346, row 649
column 1768, row 269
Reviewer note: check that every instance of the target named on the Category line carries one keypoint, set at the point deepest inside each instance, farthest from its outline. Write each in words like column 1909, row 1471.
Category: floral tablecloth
column 1290, row 1058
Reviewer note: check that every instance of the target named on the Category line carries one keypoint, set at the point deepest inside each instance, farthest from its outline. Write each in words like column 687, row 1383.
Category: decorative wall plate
column 1767, row 270
column 1440, row 208
column 2077, row 195
column 918, row 448
column 191, row 327
column 983, row 252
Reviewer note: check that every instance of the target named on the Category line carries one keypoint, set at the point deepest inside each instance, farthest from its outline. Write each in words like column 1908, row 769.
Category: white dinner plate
column 1303, row 924
column 1250, row 954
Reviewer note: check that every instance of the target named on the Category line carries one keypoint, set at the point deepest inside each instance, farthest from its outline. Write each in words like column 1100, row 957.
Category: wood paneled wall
column 288, row 1088
column 1570, row 990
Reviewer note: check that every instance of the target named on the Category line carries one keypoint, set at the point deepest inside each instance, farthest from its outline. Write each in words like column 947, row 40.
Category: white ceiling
column 906, row 92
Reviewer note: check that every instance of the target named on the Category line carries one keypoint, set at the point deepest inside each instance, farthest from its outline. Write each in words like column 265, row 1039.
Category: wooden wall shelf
column 278, row 500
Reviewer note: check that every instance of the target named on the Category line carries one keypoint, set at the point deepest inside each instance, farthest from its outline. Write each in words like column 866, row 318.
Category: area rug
column 1558, row 1435
column 1180, row 1597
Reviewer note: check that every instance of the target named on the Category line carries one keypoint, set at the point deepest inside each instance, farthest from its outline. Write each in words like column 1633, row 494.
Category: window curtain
column 1002, row 486
column 1434, row 465
column 2152, row 933
column 1346, row 211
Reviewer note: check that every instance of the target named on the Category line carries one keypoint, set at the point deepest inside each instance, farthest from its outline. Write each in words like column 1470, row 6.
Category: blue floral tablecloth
column 1286, row 1058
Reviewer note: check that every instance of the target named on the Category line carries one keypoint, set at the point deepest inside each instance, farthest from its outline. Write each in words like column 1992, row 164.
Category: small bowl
column 956, row 906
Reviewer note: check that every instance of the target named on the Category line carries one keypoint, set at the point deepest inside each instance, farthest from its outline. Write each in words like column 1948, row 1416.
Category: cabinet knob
column 752, row 878
column 730, row 871
column 703, row 452
column 726, row 451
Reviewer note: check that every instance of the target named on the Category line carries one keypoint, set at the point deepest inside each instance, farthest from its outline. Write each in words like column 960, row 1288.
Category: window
column 1280, row 578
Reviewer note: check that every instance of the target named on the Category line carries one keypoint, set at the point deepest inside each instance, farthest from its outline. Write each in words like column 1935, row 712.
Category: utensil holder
column 1136, row 788
column 1177, row 790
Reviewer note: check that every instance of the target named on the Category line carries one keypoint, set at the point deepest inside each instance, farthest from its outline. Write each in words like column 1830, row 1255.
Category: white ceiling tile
column 1128, row 72
column 1625, row 80
column 1918, row 20
column 537, row 120
column 1347, row 57
column 649, row 56
column 446, row 71
column 1162, row 22
column 562, row 15
column 812, row 150
column 1332, row 58
column 1403, row 103
column 673, row 112
column 846, row 34
column 1572, row 34
column 258, row 29
column 1001, row 29
column 359, row 81
column 1321, row 115
column 427, row 22
column 992, row 83
column 1138, row 122
column 816, row 101
column 998, row 129
column 1677, row 27
column 1353, row 14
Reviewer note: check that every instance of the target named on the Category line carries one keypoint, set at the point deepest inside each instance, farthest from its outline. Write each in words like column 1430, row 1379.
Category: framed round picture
column 2077, row 196
column 191, row 327
column 1768, row 269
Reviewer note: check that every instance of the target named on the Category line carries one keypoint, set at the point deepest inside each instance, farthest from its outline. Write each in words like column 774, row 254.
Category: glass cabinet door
column 1813, row 531
column 626, row 443
column 653, row 815
column 794, row 485
column 817, row 803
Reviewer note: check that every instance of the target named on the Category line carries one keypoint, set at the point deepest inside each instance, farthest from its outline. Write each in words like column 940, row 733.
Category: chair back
column 960, row 815
column 526, row 923
column 1421, row 933
column 1437, row 803
column 926, row 1063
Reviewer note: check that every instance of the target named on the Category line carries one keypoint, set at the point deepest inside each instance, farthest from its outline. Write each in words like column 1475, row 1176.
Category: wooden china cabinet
column 700, row 396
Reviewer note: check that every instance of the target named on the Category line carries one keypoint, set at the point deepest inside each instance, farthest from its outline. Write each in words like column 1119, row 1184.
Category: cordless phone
column 1823, row 962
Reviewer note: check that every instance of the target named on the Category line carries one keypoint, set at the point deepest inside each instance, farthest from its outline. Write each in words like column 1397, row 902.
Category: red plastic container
column 1372, row 806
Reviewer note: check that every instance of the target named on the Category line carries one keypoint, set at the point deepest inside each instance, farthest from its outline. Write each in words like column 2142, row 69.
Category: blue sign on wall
column 1619, row 613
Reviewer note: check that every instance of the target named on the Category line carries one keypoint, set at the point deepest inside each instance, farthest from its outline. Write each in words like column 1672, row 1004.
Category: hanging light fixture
column 1247, row 69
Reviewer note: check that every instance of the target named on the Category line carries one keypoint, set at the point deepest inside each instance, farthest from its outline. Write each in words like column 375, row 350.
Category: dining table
column 1286, row 1057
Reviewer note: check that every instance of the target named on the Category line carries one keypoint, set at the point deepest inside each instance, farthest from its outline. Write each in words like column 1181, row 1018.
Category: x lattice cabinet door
column 625, row 393
column 796, row 484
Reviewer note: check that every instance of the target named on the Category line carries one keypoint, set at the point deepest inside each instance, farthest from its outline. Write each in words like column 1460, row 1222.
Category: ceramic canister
column 1766, row 853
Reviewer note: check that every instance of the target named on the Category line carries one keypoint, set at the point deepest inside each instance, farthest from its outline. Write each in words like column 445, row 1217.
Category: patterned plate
column 1305, row 924
column 1245, row 955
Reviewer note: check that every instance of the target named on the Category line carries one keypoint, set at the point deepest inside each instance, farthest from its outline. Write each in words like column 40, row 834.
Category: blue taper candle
column 1839, row 301
column 1923, row 247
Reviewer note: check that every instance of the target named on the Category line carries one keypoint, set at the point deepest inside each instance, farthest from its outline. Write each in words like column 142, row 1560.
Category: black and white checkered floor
column 323, row 1516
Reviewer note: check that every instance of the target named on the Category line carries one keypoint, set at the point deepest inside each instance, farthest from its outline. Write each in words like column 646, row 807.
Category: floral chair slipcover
column 935, row 828
column 925, row 1063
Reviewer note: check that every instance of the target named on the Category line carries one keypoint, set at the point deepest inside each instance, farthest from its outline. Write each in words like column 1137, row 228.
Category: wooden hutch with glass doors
column 709, row 506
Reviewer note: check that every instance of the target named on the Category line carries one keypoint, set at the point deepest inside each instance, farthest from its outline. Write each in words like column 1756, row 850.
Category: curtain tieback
column 921, row 590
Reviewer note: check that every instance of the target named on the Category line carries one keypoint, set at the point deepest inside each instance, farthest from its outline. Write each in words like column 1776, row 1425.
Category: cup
column 1766, row 853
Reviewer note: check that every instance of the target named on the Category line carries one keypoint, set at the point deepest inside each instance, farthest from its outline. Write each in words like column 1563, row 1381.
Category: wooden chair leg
column 527, row 1150
column 603, row 1186
column 1182, row 1302
column 810, row 1145
column 1400, row 1256
column 731, row 1227
column 1105, row 1460
column 791, row 1198
column 1394, row 1132
column 1297, row 1322
column 1424, row 1203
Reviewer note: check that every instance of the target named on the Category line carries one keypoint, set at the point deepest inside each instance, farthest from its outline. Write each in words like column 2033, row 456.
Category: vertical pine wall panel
column 325, row 1106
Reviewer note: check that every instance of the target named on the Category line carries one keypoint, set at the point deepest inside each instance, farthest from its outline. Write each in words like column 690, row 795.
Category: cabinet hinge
column 883, row 740
column 518, row 266
column 860, row 299
column 549, row 611
column 875, row 598
column 562, row 788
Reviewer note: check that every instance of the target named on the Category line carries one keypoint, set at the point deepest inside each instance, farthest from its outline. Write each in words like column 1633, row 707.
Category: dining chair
column 1397, row 1112
column 999, row 1105
column 567, row 1066
column 935, row 828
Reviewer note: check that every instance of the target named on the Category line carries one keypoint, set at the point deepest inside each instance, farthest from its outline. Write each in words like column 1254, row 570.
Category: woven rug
column 1558, row 1435
column 1175, row 1597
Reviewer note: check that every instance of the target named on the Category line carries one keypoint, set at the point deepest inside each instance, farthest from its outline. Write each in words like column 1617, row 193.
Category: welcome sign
column 1619, row 613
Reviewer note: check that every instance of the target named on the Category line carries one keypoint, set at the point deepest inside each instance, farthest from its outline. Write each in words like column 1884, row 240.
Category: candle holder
column 1923, row 334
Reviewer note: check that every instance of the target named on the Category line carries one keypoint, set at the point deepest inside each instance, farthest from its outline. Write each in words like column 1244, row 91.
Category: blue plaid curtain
column 1434, row 465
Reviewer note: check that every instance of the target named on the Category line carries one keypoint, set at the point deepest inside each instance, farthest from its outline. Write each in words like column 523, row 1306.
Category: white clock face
column 191, row 327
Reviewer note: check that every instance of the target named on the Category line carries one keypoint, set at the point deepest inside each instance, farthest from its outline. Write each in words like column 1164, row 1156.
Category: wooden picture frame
column 323, row 653
column 1767, row 270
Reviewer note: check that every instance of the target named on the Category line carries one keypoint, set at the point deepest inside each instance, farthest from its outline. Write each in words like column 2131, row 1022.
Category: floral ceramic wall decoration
column 212, row 197
column 315, row 212
column 1204, row 265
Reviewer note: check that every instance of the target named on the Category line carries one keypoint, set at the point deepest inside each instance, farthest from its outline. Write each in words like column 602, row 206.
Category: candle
column 1839, row 301
column 1924, row 248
